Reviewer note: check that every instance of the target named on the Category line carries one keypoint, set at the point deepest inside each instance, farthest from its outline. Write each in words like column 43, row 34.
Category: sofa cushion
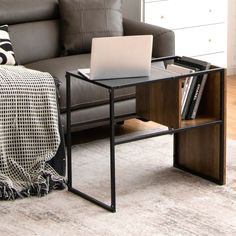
column 21, row 11
column 83, row 20
column 6, row 51
column 84, row 94
column 99, row 116
column 35, row 41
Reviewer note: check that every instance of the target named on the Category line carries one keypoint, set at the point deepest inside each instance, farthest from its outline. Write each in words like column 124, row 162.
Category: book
column 181, row 70
column 187, row 86
column 197, row 86
column 189, row 95
column 194, row 97
column 195, row 109
column 197, row 97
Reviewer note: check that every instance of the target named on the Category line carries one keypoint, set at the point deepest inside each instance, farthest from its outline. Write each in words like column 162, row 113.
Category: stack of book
column 192, row 86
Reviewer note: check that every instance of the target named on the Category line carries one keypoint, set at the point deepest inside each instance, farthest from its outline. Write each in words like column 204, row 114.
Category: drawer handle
column 162, row 17
column 209, row 40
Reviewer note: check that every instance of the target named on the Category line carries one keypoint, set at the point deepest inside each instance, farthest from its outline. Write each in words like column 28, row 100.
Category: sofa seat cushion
column 84, row 94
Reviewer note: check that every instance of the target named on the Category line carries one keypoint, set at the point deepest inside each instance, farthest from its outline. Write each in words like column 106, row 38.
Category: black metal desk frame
column 114, row 142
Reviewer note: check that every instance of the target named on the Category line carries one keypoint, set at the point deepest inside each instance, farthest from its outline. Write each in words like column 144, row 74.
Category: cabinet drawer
column 200, row 40
column 216, row 59
column 176, row 14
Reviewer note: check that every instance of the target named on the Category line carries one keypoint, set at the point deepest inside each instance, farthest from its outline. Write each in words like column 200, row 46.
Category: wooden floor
column 231, row 107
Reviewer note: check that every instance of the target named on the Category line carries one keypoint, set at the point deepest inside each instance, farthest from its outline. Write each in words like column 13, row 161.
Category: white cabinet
column 200, row 26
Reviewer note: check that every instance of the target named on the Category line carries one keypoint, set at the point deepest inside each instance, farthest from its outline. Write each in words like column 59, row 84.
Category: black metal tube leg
column 112, row 151
column 111, row 207
column 175, row 150
column 68, row 131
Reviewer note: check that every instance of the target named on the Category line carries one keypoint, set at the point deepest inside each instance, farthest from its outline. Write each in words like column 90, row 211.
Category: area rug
column 153, row 198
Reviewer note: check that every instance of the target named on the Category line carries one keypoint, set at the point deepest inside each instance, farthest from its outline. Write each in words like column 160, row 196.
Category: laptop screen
column 121, row 57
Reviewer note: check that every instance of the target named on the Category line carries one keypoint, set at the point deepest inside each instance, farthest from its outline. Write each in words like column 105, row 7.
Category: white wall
column 132, row 9
column 231, row 58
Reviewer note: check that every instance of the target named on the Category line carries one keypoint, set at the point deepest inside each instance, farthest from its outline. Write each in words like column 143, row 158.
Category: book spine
column 195, row 97
column 187, row 84
column 194, row 113
column 189, row 98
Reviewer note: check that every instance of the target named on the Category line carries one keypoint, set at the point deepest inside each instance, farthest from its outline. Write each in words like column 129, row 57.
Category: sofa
column 34, row 28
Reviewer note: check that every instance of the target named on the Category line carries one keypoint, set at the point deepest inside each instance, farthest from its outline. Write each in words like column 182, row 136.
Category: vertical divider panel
column 160, row 102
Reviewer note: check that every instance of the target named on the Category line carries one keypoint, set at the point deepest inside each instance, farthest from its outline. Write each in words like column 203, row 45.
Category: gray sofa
column 34, row 28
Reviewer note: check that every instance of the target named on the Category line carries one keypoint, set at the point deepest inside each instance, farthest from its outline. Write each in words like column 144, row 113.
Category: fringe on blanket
column 38, row 189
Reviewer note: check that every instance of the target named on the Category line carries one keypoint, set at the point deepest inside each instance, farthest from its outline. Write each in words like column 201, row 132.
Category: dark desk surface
column 156, row 74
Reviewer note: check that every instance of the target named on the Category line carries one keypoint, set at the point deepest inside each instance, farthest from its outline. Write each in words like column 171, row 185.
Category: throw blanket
column 29, row 134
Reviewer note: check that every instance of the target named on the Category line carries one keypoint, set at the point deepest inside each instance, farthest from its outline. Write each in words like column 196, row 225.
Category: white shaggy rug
column 153, row 198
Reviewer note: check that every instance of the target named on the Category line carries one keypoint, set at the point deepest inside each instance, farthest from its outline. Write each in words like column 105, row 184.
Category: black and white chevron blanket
column 29, row 133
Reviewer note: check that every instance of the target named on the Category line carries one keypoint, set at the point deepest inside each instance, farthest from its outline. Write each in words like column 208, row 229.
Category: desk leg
column 68, row 131
column 111, row 207
column 112, row 151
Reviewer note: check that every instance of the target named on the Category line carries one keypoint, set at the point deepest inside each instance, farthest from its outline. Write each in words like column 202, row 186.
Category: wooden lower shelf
column 198, row 121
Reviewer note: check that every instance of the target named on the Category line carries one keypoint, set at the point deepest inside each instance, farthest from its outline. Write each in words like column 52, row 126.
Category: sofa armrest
column 163, row 39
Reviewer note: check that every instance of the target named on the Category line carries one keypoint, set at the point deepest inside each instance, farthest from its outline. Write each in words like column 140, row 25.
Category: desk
column 199, row 144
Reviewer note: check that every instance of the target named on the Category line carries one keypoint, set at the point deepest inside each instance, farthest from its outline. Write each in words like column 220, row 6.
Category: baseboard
column 231, row 71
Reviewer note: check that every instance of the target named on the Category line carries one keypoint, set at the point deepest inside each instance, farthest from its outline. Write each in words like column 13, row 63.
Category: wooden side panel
column 198, row 150
column 160, row 102
column 210, row 102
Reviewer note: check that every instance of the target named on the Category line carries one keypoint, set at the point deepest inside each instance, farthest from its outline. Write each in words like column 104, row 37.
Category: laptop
column 119, row 57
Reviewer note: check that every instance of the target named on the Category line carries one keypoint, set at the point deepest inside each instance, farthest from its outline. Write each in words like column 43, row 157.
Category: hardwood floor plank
column 231, row 107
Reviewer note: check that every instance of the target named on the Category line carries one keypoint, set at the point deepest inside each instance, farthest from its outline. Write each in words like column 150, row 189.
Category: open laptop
column 119, row 57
